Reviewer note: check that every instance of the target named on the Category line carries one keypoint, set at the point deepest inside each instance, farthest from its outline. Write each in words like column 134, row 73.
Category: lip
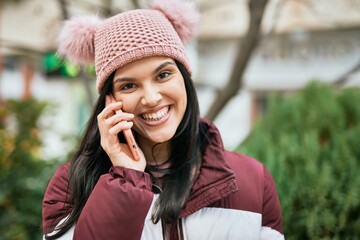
column 159, row 122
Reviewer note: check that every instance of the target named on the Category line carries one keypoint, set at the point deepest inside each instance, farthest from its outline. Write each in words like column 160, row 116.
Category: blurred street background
column 280, row 79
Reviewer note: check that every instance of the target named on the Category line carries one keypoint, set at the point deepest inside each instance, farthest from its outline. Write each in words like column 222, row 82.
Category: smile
column 156, row 116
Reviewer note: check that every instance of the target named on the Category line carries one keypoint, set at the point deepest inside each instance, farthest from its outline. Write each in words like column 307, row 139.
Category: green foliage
column 310, row 142
column 23, row 174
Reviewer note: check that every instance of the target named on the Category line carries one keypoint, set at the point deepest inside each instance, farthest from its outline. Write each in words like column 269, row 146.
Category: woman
column 184, row 185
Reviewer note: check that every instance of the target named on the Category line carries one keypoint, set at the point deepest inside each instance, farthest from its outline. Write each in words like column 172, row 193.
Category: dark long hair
column 185, row 158
column 90, row 161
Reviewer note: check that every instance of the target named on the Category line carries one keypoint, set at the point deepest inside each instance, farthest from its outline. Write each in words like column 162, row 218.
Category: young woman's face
column 153, row 89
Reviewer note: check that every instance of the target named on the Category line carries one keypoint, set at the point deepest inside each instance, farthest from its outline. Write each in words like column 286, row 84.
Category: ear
column 76, row 39
column 183, row 15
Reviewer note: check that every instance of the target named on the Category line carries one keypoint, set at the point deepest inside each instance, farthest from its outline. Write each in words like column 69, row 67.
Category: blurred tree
column 342, row 80
column 64, row 9
column 310, row 143
column 245, row 49
column 248, row 43
column 23, row 174
column 136, row 4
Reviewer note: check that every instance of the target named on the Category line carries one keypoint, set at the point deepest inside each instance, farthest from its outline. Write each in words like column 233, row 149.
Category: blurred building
column 301, row 41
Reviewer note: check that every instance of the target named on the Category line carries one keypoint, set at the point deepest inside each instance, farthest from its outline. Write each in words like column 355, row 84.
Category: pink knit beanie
column 121, row 39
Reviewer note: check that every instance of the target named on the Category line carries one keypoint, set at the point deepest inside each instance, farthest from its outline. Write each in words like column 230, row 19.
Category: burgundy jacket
column 234, row 197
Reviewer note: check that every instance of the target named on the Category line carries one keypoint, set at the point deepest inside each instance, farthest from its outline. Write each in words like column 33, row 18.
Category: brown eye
column 164, row 75
column 127, row 86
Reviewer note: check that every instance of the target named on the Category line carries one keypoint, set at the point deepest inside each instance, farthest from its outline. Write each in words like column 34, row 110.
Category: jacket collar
column 216, row 180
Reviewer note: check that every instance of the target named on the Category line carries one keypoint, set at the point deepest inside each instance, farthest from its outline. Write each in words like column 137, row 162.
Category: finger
column 105, row 113
column 115, row 106
column 110, row 110
column 118, row 117
column 112, row 100
column 113, row 143
column 121, row 126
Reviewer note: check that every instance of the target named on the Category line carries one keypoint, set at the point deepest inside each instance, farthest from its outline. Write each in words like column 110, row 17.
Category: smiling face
column 153, row 90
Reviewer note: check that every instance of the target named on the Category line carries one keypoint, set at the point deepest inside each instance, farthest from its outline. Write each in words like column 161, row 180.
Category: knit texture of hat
column 134, row 35
column 110, row 44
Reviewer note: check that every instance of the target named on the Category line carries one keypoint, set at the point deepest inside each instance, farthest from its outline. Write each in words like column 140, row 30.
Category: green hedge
column 310, row 142
column 23, row 173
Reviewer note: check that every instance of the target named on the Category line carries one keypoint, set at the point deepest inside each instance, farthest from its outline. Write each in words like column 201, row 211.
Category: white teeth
column 156, row 116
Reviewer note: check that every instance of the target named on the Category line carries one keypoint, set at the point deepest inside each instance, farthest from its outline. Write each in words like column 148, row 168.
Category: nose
column 151, row 96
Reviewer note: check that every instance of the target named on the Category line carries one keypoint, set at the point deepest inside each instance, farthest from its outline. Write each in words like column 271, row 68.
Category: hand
column 111, row 121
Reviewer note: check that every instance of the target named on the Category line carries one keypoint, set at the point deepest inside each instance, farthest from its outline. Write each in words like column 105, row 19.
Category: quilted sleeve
column 55, row 204
column 117, row 207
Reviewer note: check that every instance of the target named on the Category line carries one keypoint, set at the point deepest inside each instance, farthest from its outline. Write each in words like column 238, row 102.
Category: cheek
column 183, row 101
column 182, row 96
column 129, row 104
column 179, row 85
column 180, row 99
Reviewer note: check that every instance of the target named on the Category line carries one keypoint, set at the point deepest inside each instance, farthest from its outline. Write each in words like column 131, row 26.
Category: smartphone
column 130, row 140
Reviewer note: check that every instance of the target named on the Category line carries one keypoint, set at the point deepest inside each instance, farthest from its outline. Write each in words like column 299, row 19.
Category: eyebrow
column 161, row 66
column 123, row 79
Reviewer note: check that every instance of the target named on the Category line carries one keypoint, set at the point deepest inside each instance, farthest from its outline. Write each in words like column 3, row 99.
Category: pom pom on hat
column 76, row 39
column 183, row 15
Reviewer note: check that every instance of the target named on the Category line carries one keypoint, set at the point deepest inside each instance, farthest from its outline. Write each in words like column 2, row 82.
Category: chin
column 161, row 138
